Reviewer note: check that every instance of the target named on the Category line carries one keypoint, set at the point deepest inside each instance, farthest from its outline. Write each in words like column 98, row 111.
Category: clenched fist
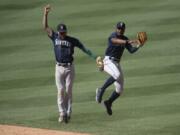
column 47, row 9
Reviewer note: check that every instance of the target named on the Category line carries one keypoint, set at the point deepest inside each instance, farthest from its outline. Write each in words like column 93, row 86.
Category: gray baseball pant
column 64, row 76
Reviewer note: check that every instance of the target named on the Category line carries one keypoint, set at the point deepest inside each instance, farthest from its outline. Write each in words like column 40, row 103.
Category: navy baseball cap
column 61, row 27
column 121, row 25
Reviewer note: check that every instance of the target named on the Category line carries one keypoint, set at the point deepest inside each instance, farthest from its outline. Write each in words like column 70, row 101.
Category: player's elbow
column 44, row 27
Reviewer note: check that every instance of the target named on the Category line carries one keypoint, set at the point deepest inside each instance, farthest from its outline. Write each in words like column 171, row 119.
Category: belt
column 64, row 64
column 113, row 58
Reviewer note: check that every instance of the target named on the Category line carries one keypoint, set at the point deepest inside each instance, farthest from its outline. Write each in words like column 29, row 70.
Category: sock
column 108, row 82
column 113, row 97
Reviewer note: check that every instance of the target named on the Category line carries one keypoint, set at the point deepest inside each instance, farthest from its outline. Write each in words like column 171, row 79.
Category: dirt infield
column 16, row 130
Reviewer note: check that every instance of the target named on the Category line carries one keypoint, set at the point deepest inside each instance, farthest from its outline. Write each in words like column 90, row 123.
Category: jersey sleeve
column 130, row 48
column 113, row 35
column 84, row 49
column 78, row 44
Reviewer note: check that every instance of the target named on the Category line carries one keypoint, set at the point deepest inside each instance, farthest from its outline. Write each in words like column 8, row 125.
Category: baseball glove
column 100, row 63
column 142, row 37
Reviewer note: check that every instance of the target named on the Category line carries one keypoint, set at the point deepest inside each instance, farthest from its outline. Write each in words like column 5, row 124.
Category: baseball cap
column 61, row 27
column 121, row 25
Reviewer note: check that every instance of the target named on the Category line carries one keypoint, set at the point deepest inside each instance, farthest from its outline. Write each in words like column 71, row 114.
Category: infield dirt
column 17, row 130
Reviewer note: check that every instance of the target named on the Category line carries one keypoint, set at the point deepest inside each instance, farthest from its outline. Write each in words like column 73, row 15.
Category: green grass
column 150, row 104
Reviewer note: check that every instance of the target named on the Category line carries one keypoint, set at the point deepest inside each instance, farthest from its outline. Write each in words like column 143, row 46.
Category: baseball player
column 117, row 42
column 64, row 75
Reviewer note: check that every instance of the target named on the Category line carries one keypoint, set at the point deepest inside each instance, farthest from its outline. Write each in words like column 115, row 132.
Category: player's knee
column 60, row 92
column 69, row 85
column 119, row 91
column 117, row 76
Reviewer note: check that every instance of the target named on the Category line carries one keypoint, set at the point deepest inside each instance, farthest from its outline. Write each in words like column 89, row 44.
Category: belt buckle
column 63, row 64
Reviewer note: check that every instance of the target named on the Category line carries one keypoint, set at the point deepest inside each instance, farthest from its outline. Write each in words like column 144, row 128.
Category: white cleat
column 60, row 119
column 98, row 96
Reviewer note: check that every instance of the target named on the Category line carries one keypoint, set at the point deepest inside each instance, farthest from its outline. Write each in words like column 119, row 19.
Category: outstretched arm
column 127, row 43
column 88, row 52
column 131, row 49
column 132, row 46
column 85, row 50
column 117, row 41
column 45, row 20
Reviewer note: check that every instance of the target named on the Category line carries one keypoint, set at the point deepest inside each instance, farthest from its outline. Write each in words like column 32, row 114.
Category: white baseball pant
column 113, row 68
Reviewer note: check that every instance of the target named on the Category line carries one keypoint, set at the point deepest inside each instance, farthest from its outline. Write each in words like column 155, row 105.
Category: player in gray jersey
column 117, row 42
column 64, row 75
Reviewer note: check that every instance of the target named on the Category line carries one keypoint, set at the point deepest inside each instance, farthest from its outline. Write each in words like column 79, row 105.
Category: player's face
column 62, row 34
column 120, row 31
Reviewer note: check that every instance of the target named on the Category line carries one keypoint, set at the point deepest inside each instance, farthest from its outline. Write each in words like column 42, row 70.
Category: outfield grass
column 150, row 104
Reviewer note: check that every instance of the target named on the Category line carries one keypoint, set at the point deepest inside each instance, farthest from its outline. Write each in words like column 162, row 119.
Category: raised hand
column 47, row 9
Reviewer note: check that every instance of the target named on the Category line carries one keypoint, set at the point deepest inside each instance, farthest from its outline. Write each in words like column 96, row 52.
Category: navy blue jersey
column 64, row 48
column 116, row 51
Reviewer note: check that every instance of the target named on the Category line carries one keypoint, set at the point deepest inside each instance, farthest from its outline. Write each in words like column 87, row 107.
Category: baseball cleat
column 68, row 117
column 98, row 95
column 65, row 119
column 108, row 107
column 60, row 119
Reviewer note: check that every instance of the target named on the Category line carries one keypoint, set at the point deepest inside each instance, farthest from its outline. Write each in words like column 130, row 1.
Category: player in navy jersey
column 64, row 74
column 117, row 42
